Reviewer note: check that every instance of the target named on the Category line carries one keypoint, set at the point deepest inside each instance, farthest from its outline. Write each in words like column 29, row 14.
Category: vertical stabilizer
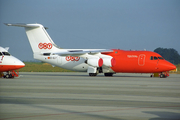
column 38, row 38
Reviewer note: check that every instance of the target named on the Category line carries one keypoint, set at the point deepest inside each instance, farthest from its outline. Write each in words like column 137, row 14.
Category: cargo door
column 59, row 60
column 141, row 59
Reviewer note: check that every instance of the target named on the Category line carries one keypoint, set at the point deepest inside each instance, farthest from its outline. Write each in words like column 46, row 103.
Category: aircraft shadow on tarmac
column 58, row 112
column 164, row 115
column 54, row 74
column 88, row 113
column 86, row 75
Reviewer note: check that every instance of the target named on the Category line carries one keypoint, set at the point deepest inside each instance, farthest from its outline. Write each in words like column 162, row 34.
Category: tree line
column 169, row 54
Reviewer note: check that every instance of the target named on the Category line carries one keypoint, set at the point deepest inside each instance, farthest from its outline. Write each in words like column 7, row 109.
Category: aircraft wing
column 82, row 52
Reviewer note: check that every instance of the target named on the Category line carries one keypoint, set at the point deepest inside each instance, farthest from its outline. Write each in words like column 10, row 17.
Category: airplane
column 93, row 61
column 9, row 63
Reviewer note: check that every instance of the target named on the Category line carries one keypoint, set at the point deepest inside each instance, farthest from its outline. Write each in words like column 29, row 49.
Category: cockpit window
column 151, row 58
column 6, row 53
column 161, row 58
column 0, row 54
column 156, row 58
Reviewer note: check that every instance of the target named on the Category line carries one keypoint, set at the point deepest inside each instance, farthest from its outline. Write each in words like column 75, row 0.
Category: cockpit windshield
column 4, row 53
column 161, row 58
column 156, row 58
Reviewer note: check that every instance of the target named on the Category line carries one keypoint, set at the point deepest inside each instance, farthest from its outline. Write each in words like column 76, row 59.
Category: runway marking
column 89, row 112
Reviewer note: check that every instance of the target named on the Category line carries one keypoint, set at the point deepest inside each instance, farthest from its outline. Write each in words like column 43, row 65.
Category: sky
column 99, row 24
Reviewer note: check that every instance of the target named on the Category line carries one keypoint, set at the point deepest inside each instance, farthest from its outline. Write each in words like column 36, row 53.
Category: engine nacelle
column 95, row 62
column 109, row 62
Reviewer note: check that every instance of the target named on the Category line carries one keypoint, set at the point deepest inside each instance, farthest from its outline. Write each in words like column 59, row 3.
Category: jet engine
column 95, row 62
column 109, row 62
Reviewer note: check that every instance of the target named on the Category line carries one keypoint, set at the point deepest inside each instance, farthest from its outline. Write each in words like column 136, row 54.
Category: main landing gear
column 92, row 74
column 108, row 74
column 93, row 71
column 105, row 74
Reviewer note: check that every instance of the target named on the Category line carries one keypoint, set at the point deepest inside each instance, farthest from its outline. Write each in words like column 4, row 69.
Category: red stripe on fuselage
column 4, row 68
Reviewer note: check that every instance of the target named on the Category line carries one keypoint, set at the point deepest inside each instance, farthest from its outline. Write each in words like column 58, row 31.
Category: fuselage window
column 0, row 54
column 151, row 58
column 6, row 53
column 155, row 58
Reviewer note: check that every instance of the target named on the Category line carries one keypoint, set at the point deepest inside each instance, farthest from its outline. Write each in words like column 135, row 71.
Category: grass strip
column 41, row 67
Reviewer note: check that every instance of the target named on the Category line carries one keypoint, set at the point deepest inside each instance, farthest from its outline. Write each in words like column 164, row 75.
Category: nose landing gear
column 161, row 75
column 11, row 74
column 164, row 74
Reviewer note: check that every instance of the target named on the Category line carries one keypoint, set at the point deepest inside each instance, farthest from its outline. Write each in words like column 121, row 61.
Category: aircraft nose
column 20, row 64
column 166, row 66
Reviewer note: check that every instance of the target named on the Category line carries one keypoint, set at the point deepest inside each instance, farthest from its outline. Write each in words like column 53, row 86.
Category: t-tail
column 38, row 38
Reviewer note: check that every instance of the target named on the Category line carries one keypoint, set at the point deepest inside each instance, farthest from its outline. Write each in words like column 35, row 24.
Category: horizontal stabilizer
column 23, row 25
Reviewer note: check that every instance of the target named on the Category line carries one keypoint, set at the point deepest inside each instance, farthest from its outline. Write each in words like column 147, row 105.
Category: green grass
column 178, row 68
column 41, row 67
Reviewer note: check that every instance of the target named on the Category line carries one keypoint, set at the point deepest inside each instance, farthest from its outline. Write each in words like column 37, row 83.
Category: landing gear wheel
column 108, row 74
column 92, row 74
column 8, row 76
column 162, row 76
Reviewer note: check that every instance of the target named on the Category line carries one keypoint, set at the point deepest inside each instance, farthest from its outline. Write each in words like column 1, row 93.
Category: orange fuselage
column 139, row 62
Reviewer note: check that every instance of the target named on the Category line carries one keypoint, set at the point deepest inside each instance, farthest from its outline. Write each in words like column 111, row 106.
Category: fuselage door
column 59, row 60
column 141, row 59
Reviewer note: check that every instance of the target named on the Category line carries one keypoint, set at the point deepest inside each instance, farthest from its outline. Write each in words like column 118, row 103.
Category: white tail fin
column 39, row 39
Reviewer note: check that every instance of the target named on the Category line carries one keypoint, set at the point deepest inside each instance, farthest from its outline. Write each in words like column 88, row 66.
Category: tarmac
column 77, row 96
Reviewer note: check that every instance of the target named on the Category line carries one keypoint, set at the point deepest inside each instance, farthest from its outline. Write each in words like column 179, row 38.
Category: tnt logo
column 45, row 45
column 72, row 58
